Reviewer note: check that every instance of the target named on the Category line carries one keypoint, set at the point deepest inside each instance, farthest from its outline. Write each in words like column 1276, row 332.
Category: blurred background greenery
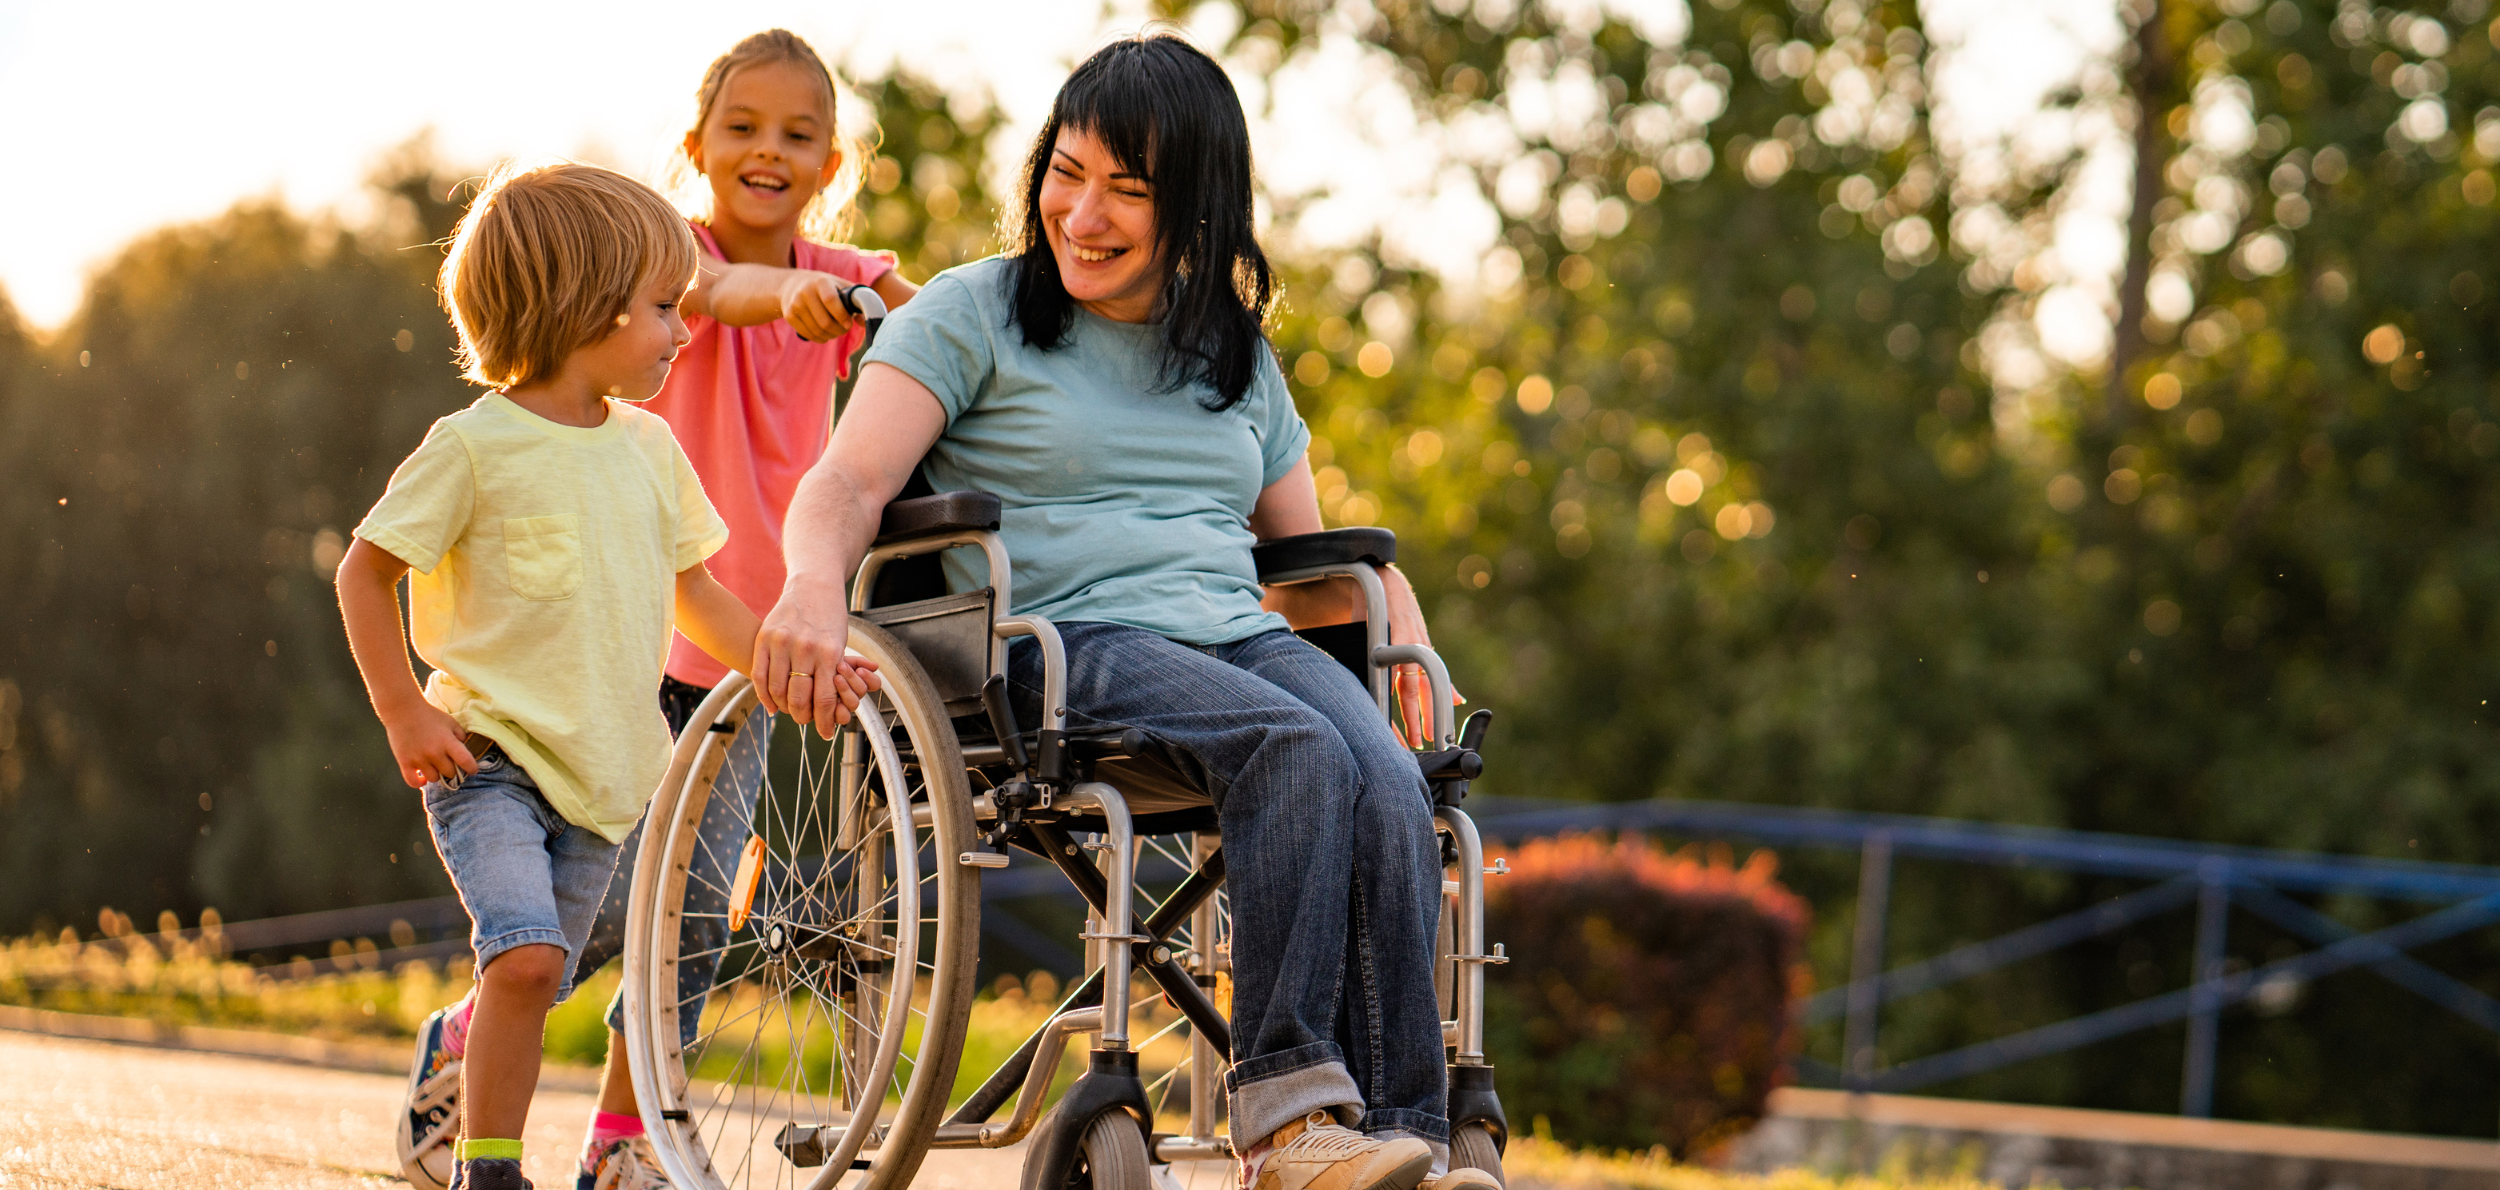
column 1737, row 474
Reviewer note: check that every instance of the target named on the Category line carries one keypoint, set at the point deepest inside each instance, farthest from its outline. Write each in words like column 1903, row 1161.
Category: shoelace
column 1329, row 1142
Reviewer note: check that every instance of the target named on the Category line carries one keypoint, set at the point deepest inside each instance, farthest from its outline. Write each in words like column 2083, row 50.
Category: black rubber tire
column 1471, row 1147
column 1110, row 1156
column 1114, row 1156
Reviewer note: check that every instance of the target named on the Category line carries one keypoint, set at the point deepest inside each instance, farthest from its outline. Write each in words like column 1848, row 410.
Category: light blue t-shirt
column 1124, row 503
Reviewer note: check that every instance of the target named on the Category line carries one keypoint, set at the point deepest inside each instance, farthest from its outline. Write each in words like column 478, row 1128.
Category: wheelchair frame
column 1111, row 1081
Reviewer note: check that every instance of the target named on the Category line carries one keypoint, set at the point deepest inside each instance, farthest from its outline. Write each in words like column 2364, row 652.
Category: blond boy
column 553, row 530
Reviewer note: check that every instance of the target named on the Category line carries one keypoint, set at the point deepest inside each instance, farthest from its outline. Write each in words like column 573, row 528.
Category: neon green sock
column 471, row 1150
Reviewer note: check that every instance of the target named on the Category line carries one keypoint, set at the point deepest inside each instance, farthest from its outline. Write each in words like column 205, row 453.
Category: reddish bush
column 1647, row 998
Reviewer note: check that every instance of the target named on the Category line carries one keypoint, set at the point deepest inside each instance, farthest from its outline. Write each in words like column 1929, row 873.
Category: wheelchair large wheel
column 845, row 953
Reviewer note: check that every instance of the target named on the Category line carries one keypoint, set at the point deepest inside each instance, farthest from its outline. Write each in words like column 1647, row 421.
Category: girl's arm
column 426, row 742
column 754, row 294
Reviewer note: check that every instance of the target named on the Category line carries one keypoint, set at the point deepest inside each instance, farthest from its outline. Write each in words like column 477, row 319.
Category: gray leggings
column 726, row 824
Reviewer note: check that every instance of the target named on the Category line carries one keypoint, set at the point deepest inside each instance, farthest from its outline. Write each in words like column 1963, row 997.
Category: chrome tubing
column 1467, row 949
column 1444, row 712
column 864, row 581
column 1375, row 611
column 1119, row 919
column 1054, row 661
column 1205, row 1084
column 1029, row 1096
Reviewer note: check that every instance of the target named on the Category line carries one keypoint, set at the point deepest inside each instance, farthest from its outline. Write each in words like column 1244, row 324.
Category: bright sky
column 152, row 113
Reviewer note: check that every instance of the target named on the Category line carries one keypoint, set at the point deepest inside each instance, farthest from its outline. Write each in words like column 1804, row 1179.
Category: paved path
column 93, row 1114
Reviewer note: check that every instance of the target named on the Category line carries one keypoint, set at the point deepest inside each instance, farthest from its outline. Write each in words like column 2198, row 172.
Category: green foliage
column 1646, row 1001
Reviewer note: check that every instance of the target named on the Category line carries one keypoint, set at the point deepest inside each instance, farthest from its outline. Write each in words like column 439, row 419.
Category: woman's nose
column 1086, row 216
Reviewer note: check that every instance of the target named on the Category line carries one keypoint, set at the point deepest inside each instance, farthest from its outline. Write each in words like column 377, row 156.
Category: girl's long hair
column 829, row 215
column 1166, row 112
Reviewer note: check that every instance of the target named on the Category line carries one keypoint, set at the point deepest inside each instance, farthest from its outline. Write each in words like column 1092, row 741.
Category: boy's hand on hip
column 429, row 747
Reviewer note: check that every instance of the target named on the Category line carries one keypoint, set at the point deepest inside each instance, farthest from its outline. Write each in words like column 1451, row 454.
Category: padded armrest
column 946, row 512
column 1333, row 547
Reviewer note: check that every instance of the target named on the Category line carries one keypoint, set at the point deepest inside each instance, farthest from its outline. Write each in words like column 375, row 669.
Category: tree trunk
column 2149, row 81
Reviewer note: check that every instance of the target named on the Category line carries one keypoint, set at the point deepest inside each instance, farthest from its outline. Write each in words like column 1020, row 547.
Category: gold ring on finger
column 800, row 673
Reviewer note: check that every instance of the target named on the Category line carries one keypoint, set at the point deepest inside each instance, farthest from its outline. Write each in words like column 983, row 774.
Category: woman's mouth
column 1094, row 255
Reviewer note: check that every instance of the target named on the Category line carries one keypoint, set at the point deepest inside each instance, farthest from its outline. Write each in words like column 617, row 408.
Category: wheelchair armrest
column 946, row 512
column 1332, row 547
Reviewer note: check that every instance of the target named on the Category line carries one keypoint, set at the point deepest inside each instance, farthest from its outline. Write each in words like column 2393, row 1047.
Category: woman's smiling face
column 1099, row 220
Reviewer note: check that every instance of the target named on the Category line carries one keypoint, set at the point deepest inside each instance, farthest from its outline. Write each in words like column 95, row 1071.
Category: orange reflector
column 742, row 890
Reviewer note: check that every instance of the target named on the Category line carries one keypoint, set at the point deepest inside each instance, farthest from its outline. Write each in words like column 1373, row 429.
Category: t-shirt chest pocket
column 542, row 555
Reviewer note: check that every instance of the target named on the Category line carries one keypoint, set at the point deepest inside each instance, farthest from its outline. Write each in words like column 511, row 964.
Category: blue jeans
column 1329, row 855
column 702, row 931
column 526, row 876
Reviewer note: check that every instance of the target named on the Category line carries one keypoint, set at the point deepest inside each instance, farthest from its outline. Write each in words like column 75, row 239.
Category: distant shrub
column 1646, row 1002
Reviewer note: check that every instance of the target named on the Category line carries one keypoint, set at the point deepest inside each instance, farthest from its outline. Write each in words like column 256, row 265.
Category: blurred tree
column 190, row 452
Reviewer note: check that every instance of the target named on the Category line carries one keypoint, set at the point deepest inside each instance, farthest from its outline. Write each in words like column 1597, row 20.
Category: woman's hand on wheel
column 801, row 666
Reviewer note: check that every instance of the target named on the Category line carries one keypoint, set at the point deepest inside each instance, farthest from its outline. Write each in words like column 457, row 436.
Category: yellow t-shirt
column 546, row 561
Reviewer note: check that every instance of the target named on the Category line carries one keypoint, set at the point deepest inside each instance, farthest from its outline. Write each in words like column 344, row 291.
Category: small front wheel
column 1472, row 1147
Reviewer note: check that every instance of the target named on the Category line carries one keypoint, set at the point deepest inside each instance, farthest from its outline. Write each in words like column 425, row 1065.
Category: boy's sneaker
column 626, row 1163
column 489, row 1173
column 1317, row 1153
column 431, row 1119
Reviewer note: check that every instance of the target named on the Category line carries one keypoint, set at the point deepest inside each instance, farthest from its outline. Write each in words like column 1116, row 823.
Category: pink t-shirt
column 752, row 406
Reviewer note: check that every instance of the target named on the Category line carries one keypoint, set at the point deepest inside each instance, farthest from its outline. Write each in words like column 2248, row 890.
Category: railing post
column 1866, row 961
column 2213, row 912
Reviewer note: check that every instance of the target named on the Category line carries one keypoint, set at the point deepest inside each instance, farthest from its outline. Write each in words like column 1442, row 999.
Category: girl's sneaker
column 431, row 1119
column 626, row 1163
column 1318, row 1153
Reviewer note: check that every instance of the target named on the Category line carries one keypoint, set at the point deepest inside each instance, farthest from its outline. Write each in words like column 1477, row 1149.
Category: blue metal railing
column 2213, row 878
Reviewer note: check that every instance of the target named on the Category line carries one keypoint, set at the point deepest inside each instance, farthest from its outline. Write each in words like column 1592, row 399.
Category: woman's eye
column 1065, row 172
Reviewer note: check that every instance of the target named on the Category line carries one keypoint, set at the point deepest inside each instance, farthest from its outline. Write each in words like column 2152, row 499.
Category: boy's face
column 632, row 362
column 765, row 149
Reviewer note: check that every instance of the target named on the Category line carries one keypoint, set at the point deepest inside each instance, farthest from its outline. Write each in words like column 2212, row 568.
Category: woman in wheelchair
column 1109, row 381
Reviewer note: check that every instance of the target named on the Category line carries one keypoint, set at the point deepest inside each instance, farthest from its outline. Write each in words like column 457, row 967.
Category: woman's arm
column 891, row 422
column 426, row 742
column 1290, row 507
column 810, row 301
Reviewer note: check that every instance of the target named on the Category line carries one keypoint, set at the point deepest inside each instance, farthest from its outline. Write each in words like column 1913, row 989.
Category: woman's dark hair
column 1166, row 112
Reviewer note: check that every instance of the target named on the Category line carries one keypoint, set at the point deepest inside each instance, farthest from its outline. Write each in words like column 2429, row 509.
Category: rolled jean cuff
column 1273, row 1090
column 490, row 949
column 1423, row 1126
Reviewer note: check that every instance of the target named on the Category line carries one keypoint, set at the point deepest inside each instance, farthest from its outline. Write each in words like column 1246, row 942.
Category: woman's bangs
column 1116, row 108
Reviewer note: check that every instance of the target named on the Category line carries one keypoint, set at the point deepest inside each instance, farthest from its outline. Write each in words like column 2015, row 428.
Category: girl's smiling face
column 766, row 147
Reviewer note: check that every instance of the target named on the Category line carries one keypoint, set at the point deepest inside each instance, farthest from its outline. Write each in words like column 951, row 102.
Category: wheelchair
column 829, row 1049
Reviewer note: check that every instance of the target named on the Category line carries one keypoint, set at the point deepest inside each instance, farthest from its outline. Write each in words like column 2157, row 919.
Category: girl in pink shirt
column 751, row 400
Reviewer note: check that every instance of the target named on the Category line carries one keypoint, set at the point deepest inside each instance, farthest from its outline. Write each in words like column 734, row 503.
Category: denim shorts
column 525, row 875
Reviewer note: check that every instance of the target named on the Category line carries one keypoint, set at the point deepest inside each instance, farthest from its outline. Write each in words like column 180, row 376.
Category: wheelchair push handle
column 868, row 309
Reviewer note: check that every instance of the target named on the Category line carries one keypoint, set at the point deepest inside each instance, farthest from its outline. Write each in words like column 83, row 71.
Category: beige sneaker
column 1462, row 1179
column 1317, row 1153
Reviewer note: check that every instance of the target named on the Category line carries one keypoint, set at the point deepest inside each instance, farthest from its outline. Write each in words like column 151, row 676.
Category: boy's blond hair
column 547, row 261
